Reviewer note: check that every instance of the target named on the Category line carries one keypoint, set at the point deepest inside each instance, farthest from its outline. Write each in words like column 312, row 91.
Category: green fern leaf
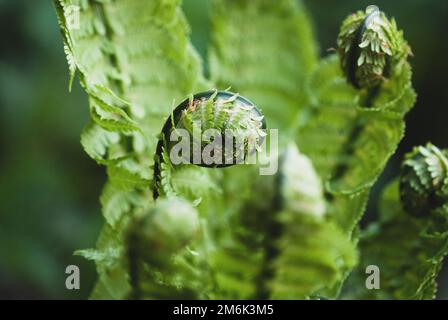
column 264, row 50
column 313, row 253
column 408, row 251
column 341, row 132
column 241, row 233
column 110, row 263
column 117, row 202
column 348, row 142
column 114, row 48
column 133, row 59
column 97, row 141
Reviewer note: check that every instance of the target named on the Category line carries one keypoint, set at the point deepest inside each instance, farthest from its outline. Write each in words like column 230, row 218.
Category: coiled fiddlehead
column 409, row 242
column 165, row 229
column 424, row 180
column 369, row 44
column 221, row 128
column 156, row 236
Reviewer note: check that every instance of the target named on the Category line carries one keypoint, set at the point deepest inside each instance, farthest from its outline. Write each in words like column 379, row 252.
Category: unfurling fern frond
column 424, row 180
column 163, row 230
column 351, row 133
column 409, row 242
column 176, row 228
column 210, row 129
column 150, row 256
column 218, row 129
column 370, row 45
column 348, row 143
column 133, row 58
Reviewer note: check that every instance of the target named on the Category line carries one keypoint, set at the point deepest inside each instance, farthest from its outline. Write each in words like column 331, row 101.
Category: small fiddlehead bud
column 210, row 129
column 163, row 230
column 369, row 45
column 300, row 187
column 424, row 180
column 156, row 235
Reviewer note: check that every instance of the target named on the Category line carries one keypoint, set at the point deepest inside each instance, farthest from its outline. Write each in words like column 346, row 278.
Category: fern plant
column 196, row 231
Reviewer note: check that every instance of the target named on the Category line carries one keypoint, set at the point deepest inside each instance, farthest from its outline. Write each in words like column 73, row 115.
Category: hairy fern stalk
column 187, row 231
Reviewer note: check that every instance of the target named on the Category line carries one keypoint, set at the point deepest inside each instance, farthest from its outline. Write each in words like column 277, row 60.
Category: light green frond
column 116, row 202
column 97, row 141
column 264, row 50
column 350, row 143
column 114, row 47
column 111, row 265
column 193, row 183
column 133, row 59
column 408, row 251
column 313, row 255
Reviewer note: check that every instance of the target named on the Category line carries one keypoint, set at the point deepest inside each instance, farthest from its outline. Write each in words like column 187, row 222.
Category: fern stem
column 273, row 233
column 133, row 269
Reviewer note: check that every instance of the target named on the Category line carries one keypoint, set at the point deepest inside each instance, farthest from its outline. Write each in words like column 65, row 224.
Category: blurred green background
column 49, row 188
